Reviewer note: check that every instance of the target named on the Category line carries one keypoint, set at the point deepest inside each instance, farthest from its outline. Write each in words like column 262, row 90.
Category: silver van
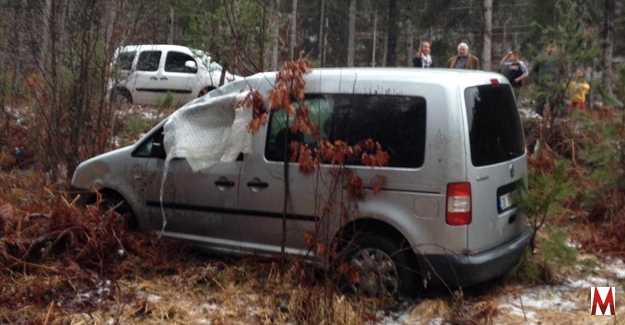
column 445, row 213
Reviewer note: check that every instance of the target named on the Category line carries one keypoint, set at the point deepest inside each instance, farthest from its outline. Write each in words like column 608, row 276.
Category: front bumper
column 468, row 270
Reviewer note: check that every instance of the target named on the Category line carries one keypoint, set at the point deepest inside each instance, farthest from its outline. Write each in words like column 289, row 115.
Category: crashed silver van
column 445, row 213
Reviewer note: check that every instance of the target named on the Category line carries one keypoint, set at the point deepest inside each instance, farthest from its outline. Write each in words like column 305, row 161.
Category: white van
column 445, row 213
column 146, row 74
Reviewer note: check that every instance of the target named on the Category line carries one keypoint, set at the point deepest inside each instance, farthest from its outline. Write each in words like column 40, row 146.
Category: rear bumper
column 468, row 270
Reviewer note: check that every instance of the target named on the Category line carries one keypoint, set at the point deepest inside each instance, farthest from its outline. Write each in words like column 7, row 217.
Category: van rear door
column 496, row 165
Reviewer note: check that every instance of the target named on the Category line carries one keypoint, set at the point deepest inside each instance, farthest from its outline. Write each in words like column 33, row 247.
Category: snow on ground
column 565, row 303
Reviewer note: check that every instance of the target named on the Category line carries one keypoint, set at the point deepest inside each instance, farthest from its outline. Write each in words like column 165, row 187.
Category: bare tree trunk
column 275, row 34
column 263, row 33
column 608, row 36
column 393, row 30
column 374, row 41
column 506, row 47
column 409, row 35
column 325, row 44
column 293, row 38
column 384, row 49
column 112, row 18
column 170, row 39
column 487, row 10
column 45, row 33
column 321, row 32
column 351, row 41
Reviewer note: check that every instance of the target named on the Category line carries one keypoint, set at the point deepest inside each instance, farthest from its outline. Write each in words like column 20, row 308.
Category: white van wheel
column 122, row 98
column 384, row 267
column 206, row 90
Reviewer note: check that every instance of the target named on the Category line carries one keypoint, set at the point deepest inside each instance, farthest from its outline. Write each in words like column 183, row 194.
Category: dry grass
column 62, row 264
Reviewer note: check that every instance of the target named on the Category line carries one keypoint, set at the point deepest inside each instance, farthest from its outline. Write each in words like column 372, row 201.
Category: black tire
column 400, row 278
column 116, row 206
column 206, row 90
column 122, row 98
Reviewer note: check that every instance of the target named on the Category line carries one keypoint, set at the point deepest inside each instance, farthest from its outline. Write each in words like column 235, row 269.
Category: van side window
column 152, row 147
column 397, row 122
column 279, row 134
column 149, row 60
column 175, row 62
column 124, row 60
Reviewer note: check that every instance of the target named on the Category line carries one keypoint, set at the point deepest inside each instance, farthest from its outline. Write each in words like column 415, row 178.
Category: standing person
column 514, row 69
column 546, row 73
column 577, row 90
column 464, row 60
column 424, row 59
column 547, row 69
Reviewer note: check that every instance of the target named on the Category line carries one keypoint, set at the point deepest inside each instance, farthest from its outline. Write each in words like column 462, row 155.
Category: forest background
column 55, row 54
column 55, row 62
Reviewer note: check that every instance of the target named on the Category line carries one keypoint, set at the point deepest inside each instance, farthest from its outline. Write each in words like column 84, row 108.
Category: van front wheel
column 120, row 208
column 378, row 266
column 122, row 98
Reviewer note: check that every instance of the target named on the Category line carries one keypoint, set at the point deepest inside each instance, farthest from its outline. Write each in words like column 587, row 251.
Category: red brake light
column 494, row 82
column 458, row 204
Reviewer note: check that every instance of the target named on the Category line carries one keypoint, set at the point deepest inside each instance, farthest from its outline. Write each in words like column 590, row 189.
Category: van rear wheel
column 378, row 266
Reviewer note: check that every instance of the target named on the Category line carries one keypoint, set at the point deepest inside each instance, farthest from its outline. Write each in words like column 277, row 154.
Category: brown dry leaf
column 483, row 312
column 430, row 309
column 306, row 161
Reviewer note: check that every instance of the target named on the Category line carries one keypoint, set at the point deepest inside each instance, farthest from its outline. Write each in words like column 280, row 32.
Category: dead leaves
column 289, row 86
column 50, row 250
column 260, row 115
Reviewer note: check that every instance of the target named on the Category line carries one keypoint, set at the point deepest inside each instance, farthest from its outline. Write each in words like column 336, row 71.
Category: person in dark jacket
column 546, row 73
column 464, row 60
column 514, row 69
column 424, row 59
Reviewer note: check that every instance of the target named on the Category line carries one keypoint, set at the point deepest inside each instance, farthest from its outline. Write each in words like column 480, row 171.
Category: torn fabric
column 205, row 132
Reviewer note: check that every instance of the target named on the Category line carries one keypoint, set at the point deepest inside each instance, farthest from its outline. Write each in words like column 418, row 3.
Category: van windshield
column 495, row 130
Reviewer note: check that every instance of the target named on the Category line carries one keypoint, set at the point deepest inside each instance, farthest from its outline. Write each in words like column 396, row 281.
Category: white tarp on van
column 204, row 132
column 209, row 130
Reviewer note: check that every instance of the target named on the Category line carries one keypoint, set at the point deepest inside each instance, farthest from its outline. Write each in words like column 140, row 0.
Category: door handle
column 257, row 183
column 153, row 78
column 224, row 182
column 163, row 78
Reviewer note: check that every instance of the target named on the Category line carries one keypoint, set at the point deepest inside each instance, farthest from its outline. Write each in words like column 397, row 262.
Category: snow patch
column 590, row 281
column 153, row 298
column 617, row 267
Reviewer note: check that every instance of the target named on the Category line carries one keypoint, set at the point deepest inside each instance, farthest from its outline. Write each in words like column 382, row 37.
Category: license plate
column 505, row 201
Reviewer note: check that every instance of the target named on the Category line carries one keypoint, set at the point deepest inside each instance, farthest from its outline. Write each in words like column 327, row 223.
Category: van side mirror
column 191, row 65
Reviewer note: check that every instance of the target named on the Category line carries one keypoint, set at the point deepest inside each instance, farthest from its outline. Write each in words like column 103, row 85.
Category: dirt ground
column 221, row 300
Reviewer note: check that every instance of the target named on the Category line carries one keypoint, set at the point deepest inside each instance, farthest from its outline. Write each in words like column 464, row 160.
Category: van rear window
column 495, row 130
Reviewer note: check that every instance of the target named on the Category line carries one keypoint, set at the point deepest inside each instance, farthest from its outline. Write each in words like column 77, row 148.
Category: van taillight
column 458, row 204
